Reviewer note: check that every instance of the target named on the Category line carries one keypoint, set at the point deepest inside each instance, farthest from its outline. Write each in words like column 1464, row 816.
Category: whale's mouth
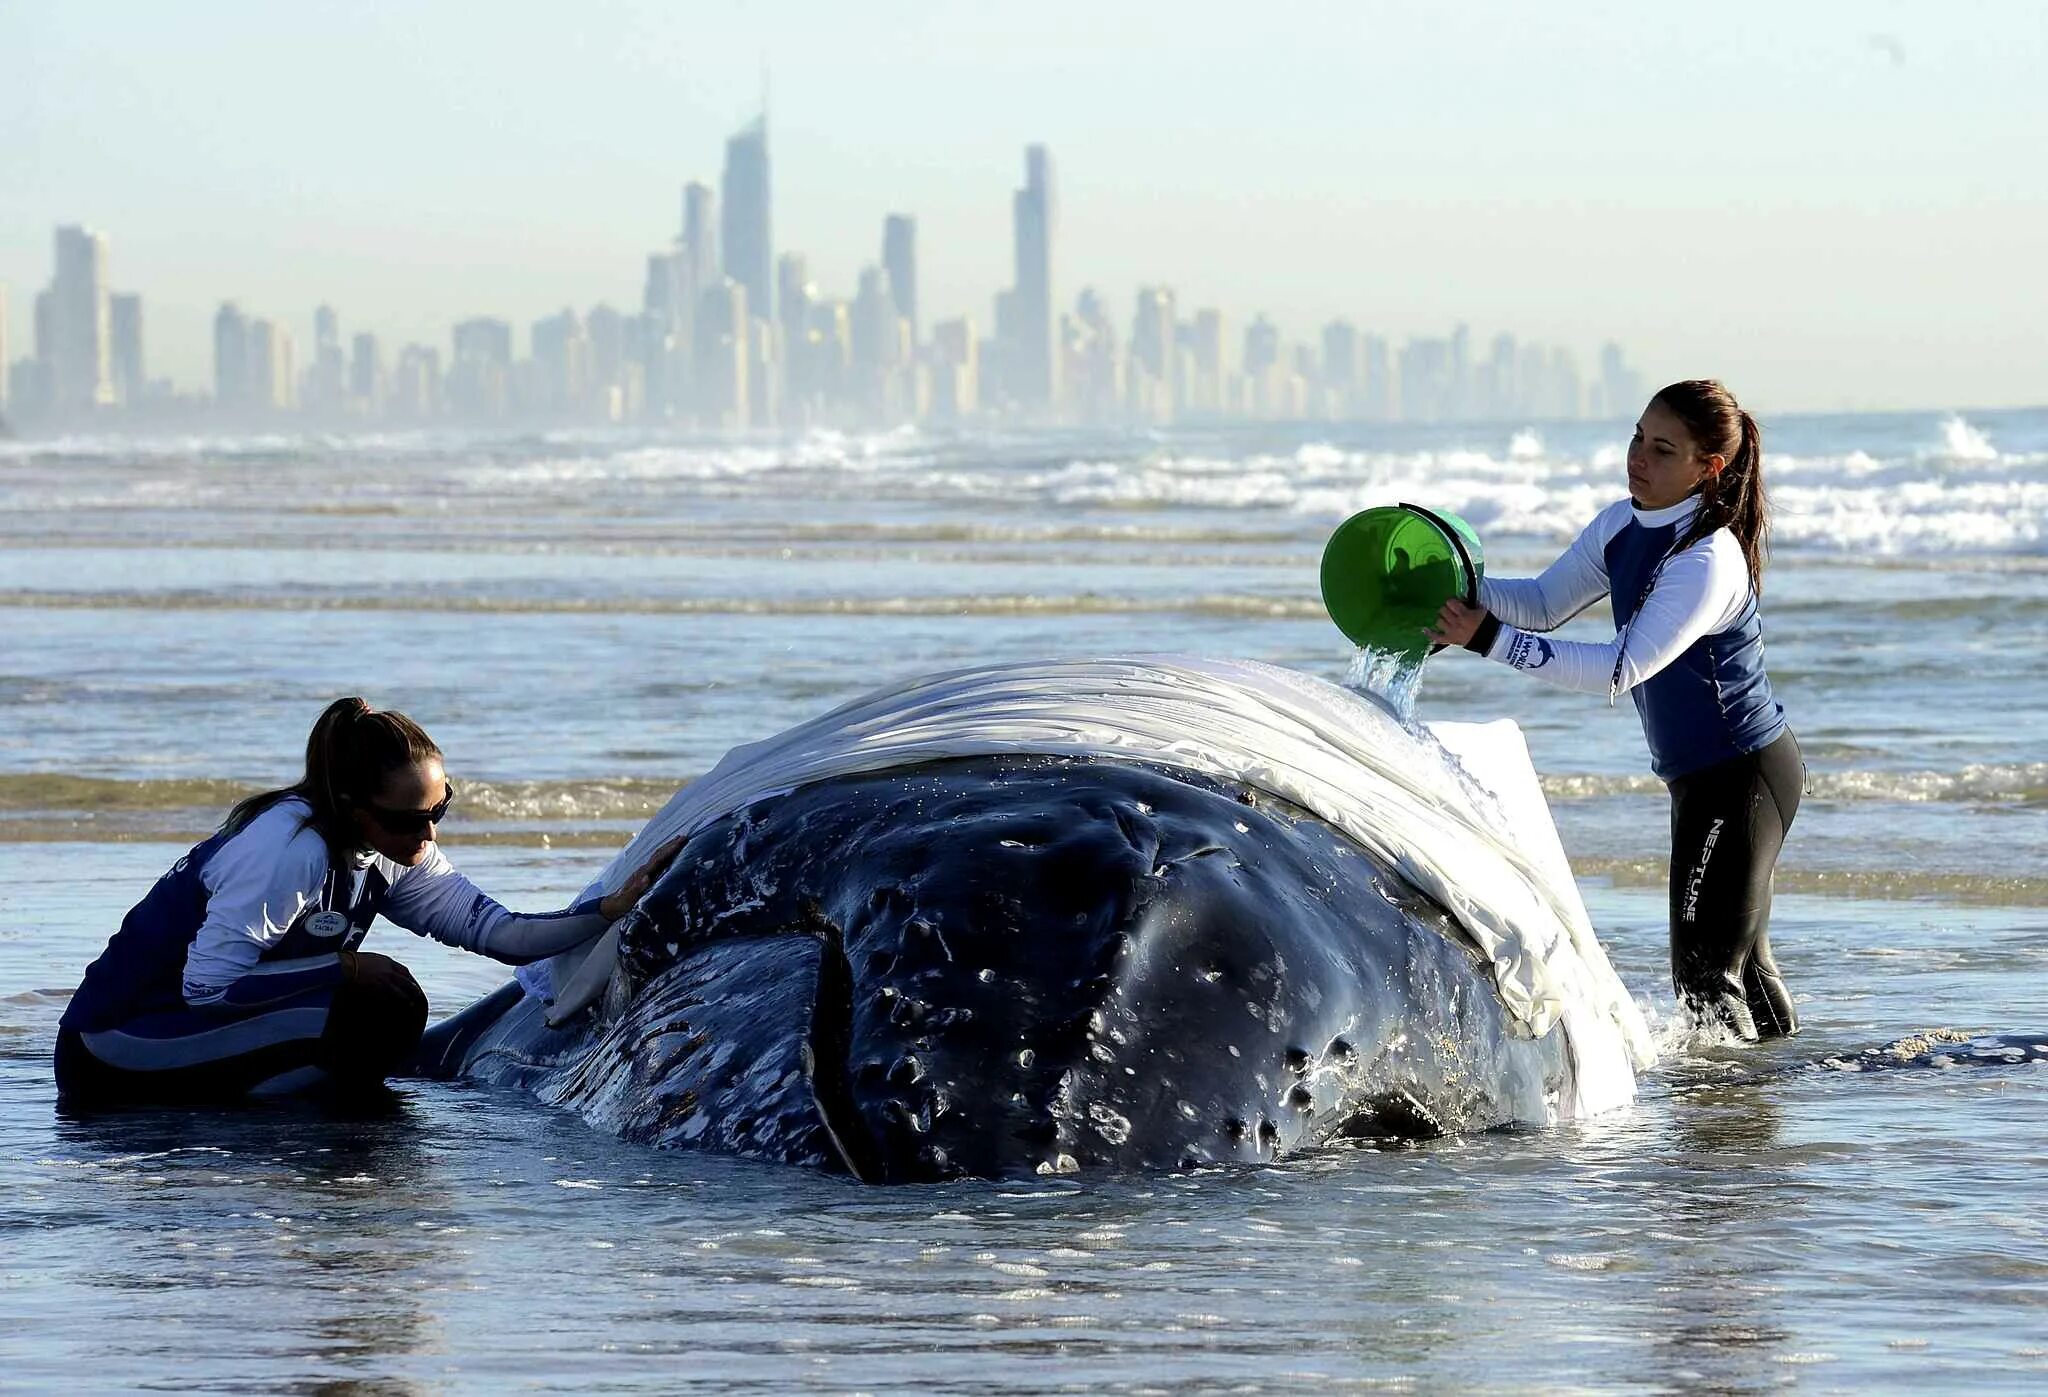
column 825, row 1055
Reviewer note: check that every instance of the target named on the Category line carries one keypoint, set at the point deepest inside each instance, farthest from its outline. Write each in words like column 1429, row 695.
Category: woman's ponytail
column 1750, row 519
column 1734, row 497
column 351, row 751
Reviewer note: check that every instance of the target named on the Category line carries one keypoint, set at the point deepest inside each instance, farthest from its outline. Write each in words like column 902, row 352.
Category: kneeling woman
column 238, row 974
column 1682, row 561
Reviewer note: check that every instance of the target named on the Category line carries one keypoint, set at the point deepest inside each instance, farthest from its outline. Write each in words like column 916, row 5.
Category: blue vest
column 142, row 970
column 1714, row 702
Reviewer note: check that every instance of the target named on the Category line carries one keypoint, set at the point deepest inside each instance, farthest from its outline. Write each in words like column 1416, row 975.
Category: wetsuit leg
column 187, row 1054
column 379, row 1014
column 1728, row 823
column 354, row 1033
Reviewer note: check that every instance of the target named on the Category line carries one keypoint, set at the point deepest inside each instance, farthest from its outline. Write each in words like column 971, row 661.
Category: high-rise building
column 480, row 371
column 124, row 355
column 272, row 385
column 1208, row 363
column 1621, row 388
column 1340, row 369
column 609, row 377
column 326, row 377
column 721, row 355
column 415, row 389
column 955, row 369
column 562, row 364
column 81, row 379
column 747, row 241
column 881, row 350
column 1264, row 377
column 1154, row 385
column 794, row 296
column 899, row 260
column 1091, row 371
column 699, row 242
column 1378, row 405
column 1029, row 360
column 365, row 376
column 232, row 390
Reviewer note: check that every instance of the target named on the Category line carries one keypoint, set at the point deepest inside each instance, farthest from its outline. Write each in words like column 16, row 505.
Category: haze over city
column 1836, row 207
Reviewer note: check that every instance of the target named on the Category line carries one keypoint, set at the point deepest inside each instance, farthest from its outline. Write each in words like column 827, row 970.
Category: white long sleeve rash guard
column 1699, row 591
column 263, row 878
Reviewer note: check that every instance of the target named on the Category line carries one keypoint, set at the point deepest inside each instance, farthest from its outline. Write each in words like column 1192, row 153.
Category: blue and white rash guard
column 235, row 924
column 1688, row 646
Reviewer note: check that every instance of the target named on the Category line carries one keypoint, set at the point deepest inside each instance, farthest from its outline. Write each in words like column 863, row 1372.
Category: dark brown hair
column 1734, row 499
column 351, row 752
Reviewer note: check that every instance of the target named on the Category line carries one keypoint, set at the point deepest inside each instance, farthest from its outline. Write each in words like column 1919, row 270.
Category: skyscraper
column 329, row 371
column 365, row 375
column 1340, row 368
column 794, row 294
column 272, row 381
column 899, row 260
column 231, row 391
column 699, row 242
column 721, row 355
column 744, row 230
column 80, row 379
column 480, row 375
column 1209, row 369
column 1153, row 386
column 1030, row 360
column 124, row 328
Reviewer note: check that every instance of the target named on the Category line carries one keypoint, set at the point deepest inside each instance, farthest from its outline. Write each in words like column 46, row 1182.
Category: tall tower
column 699, row 241
column 744, row 230
column 124, row 328
column 899, row 261
column 1034, row 379
column 231, row 376
column 330, row 371
column 80, row 377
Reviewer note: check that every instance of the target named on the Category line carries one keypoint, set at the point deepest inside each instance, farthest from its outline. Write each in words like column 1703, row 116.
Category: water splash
column 1962, row 442
column 1392, row 676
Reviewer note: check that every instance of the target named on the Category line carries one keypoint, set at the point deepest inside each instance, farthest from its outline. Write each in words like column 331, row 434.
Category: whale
column 1127, row 914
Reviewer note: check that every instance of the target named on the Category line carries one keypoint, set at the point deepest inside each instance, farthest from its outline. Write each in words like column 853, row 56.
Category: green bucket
column 1388, row 571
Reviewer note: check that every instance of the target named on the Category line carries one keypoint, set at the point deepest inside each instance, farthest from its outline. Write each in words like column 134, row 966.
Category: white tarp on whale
column 1472, row 832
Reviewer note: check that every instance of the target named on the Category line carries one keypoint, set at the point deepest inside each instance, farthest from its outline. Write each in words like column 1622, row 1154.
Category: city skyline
column 1780, row 199
column 716, row 344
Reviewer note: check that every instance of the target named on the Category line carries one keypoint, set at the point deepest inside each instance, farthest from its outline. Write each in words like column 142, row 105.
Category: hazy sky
column 1827, row 204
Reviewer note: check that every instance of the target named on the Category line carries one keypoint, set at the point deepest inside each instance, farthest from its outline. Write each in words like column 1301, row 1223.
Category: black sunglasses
column 412, row 821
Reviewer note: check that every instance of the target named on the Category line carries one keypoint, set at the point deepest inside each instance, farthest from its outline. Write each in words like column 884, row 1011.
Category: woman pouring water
column 239, row 973
column 1682, row 561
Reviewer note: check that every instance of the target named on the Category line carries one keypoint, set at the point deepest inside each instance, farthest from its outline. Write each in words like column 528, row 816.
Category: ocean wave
column 636, row 798
column 1954, row 886
column 1951, row 485
column 420, row 602
column 2009, row 783
column 547, row 802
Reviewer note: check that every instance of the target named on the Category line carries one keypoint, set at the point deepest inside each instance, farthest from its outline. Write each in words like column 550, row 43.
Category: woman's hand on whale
column 618, row 904
column 1456, row 624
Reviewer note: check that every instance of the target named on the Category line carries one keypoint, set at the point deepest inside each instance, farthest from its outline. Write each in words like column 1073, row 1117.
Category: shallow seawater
column 585, row 622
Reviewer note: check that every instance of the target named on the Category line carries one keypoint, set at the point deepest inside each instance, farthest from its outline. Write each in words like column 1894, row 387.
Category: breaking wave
column 1875, row 487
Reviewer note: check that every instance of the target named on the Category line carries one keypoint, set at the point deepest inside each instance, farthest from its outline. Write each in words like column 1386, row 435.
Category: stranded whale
column 1131, row 913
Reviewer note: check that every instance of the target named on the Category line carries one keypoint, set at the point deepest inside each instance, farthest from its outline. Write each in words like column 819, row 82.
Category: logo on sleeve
column 1530, row 652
